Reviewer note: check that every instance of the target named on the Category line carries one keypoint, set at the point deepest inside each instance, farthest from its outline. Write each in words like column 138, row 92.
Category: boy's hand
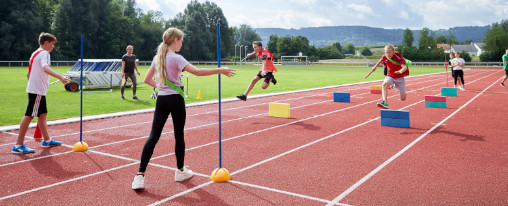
column 65, row 79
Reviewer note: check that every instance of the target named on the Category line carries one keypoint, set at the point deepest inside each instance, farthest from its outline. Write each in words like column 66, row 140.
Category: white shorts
column 400, row 83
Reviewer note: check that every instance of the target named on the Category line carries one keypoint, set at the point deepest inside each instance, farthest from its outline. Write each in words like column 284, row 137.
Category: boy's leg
column 384, row 91
column 251, row 85
column 23, row 127
column 401, row 87
column 41, row 121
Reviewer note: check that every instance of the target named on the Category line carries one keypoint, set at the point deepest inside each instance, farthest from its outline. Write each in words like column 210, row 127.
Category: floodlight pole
column 245, row 52
column 241, row 55
column 235, row 52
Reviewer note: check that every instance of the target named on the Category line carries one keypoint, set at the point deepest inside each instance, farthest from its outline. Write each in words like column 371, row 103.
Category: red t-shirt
column 392, row 68
column 266, row 55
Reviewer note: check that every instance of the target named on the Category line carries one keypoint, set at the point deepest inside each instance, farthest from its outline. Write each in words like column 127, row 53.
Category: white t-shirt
column 458, row 61
column 38, row 81
column 175, row 63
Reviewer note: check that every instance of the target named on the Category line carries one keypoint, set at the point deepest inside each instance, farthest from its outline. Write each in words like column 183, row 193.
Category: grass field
column 64, row 104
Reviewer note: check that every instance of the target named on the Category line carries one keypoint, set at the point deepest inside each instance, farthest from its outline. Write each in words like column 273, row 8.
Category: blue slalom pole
column 220, row 120
column 81, row 91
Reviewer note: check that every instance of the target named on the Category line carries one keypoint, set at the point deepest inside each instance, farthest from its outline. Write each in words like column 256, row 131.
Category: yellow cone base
column 80, row 147
column 220, row 175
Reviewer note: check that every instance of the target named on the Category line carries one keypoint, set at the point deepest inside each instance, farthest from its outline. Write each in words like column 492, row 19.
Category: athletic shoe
column 134, row 97
column 51, row 143
column 22, row 150
column 462, row 88
column 502, row 84
column 183, row 175
column 382, row 105
column 123, row 97
column 274, row 81
column 242, row 97
column 139, row 182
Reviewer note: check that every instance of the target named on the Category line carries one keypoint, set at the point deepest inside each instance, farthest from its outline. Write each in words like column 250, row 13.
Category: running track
column 326, row 154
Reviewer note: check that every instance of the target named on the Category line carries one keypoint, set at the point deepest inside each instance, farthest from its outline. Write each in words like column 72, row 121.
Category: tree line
column 108, row 26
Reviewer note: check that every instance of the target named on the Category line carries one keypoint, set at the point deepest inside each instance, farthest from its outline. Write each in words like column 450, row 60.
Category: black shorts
column 36, row 105
column 268, row 76
column 506, row 72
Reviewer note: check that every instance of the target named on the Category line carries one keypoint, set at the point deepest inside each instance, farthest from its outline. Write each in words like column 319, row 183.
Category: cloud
column 413, row 14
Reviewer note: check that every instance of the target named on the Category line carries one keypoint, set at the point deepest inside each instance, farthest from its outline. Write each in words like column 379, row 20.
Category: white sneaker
column 462, row 88
column 139, row 182
column 183, row 175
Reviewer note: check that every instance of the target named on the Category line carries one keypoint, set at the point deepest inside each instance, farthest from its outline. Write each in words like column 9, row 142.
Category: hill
column 364, row 35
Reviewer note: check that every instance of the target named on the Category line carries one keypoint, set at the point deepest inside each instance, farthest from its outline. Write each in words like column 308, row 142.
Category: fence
column 229, row 63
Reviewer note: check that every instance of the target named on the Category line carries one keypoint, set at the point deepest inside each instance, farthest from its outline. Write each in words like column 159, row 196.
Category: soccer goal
column 294, row 60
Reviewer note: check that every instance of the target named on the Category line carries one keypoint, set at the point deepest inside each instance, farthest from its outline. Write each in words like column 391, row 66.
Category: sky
column 388, row 14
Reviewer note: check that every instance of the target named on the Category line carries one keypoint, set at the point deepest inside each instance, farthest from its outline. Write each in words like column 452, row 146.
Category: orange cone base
column 220, row 175
column 80, row 147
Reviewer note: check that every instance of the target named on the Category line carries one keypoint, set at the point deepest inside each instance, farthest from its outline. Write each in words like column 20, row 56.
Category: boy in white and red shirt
column 266, row 71
column 37, row 88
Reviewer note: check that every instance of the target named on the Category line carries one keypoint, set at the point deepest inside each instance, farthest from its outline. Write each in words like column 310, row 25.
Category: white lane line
column 380, row 167
column 185, row 192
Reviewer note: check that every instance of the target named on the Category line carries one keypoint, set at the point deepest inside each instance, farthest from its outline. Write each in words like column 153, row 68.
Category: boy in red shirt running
column 397, row 69
column 266, row 71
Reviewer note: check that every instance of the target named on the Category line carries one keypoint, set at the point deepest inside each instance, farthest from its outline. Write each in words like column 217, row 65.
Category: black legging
column 166, row 104
column 456, row 74
column 134, row 83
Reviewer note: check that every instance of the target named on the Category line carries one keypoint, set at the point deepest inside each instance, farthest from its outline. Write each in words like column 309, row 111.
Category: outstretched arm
column 205, row 72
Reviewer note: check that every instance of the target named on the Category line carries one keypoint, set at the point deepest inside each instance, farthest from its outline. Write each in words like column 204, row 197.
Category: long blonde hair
column 169, row 36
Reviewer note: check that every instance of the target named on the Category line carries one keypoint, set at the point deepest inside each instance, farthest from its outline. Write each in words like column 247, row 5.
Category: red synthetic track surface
column 326, row 153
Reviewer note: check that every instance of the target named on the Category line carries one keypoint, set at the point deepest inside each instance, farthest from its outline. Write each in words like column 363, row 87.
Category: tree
column 20, row 25
column 407, row 38
column 348, row 49
column 502, row 25
column 272, row 44
column 365, row 51
column 245, row 35
column 329, row 52
column 426, row 41
column 496, row 42
column 196, row 47
column 337, row 45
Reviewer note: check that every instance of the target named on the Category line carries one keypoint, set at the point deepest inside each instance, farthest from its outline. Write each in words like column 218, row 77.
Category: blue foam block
column 394, row 114
column 341, row 97
column 395, row 122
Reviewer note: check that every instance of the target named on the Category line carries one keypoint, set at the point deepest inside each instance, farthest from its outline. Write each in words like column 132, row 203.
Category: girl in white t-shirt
column 457, row 65
column 167, row 66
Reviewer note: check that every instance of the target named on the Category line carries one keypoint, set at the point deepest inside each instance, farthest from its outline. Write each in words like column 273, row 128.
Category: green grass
column 63, row 104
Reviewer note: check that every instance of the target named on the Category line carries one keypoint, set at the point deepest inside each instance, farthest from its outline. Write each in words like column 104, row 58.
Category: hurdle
column 448, row 91
column 395, row 118
column 341, row 97
column 435, row 101
column 376, row 89
column 278, row 110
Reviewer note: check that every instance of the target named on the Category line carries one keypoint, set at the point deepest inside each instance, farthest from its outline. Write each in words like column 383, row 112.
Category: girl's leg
column 178, row 115
column 159, row 119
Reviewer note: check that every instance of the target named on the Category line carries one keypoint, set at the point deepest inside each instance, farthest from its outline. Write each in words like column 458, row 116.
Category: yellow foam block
column 376, row 88
column 278, row 110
